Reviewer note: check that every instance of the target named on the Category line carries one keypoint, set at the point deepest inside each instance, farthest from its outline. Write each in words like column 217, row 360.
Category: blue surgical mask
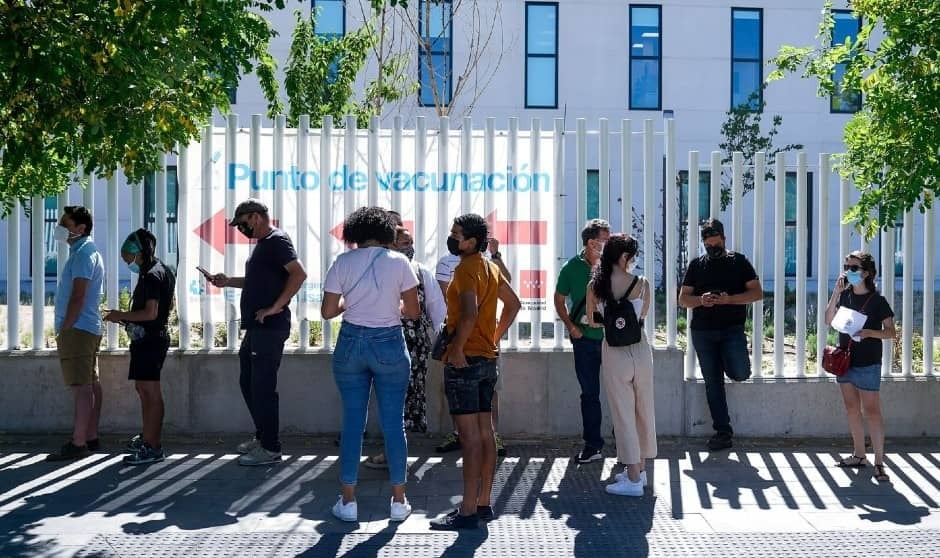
column 854, row 277
column 134, row 267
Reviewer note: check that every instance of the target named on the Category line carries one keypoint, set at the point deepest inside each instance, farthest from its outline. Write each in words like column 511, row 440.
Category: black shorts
column 470, row 390
column 147, row 356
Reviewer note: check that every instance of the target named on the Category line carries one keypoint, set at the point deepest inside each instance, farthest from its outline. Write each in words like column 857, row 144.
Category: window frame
column 832, row 98
column 313, row 11
column 528, row 55
column 759, row 61
column 631, row 57
column 449, row 53
column 149, row 217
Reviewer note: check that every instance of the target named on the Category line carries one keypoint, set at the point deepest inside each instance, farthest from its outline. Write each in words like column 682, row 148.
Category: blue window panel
column 644, row 84
column 593, row 195
column 846, row 27
column 644, row 31
column 704, row 195
column 441, row 81
column 540, row 82
column 51, row 219
column 435, row 19
column 172, row 206
column 789, row 210
column 329, row 18
column 745, row 80
column 541, row 26
column 746, row 34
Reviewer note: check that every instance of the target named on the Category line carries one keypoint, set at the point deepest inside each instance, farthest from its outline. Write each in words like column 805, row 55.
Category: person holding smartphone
column 860, row 385
column 718, row 286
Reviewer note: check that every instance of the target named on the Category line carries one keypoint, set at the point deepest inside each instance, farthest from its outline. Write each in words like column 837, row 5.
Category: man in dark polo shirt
column 273, row 275
column 718, row 286
column 586, row 341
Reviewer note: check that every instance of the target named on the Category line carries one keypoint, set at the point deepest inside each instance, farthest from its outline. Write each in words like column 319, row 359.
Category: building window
column 435, row 59
column 329, row 18
column 593, row 194
column 541, row 54
column 789, row 226
column 645, row 57
column 846, row 28
column 704, row 201
column 172, row 204
column 50, row 218
column 898, row 232
column 747, row 57
column 232, row 94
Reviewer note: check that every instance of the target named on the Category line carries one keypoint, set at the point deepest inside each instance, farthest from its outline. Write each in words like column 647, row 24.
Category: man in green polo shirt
column 571, row 287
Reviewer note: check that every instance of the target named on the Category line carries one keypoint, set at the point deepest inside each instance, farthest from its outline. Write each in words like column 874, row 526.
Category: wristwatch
column 496, row 256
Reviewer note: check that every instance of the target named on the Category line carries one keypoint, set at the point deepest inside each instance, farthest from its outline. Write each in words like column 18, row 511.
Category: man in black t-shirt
column 718, row 286
column 273, row 275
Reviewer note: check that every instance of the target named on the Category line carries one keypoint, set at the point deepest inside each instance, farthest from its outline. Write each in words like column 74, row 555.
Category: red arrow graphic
column 216, row 232
column 518, row 232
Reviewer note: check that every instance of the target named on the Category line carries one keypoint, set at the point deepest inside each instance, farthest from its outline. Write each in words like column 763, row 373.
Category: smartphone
column 205, row 273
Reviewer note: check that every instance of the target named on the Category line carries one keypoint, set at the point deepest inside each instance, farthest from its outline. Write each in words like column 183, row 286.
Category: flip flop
column 853, row 461
column 880, row 474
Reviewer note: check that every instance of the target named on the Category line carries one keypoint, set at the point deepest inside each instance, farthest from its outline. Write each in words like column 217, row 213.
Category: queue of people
column 394, row 310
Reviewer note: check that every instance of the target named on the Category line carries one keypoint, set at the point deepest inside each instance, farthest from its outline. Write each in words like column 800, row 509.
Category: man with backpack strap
column 586, row 341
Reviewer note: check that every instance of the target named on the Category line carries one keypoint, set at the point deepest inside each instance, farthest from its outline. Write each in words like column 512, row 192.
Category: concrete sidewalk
column 764, row 498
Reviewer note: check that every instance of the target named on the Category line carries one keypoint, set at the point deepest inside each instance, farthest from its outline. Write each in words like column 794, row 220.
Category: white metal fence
column 631, row 177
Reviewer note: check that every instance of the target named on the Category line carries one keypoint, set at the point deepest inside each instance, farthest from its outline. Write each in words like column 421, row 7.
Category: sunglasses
column 708, row 233
column 852, row 268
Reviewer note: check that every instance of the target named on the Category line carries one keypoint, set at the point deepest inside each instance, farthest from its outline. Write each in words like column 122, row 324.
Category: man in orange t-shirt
column 470, row 364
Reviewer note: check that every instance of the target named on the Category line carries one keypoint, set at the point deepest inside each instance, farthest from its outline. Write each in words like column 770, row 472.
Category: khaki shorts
column 78, row 355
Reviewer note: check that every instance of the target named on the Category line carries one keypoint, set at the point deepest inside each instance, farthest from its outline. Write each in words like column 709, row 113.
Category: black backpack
column 621, row 324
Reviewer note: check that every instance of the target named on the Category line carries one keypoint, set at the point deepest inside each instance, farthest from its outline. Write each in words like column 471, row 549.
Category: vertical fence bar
column 535, row 252
column 714, row 194
column 445, row 214
column 757, row 309
column 887, row 289
column 112, row 259
column 13, row 275
column 397, row 133
column 466, row 161
column 558, row 212
column 626, row 176
column 88, row 194
column 692, row 233
column 159, row 209
column 326, row 217
column 780, row 173
column 603, row 171
column 37, row 227
column 183, row 264
column 350, row 199
column 649, row 223
column 304, row 231
column 62, row 249
column 581, row 172
column 205, row 254
column 822, row 259
column 138, row 220
column 737, row 201
column 671, row 233
column 373, row 160
column 802, row 266
column 843, row 209
column 421, row 235
column 280, row 210
column 907, row 298
column 513, row 213
column 231, row 156
column 489, row 162
column 929, row 247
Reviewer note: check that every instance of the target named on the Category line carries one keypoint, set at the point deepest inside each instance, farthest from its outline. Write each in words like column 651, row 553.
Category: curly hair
column 868, row 264
column 474, row 226
column 369, row 223
column 592, row 230
column 80, row 216
column 617, row 245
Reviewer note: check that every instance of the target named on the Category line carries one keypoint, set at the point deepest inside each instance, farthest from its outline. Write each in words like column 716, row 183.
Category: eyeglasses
column 852, row 268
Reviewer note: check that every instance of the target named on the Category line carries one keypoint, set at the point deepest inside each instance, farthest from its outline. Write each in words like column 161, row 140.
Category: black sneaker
column 589, row 454
column 135, row 443
column 454, row 522
column 145, row 455
column 93, row 445
column 451, row 443
column 720, row 441
column 69, row 451
column 485, row 513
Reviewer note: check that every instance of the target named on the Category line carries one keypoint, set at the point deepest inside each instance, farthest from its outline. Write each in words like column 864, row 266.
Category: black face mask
column 715, row 251
column 453, row 245
column 409, row 252
column 246, row 229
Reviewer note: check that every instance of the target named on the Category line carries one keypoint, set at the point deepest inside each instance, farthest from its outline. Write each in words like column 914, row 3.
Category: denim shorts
column 470, row 390
column 867, row 378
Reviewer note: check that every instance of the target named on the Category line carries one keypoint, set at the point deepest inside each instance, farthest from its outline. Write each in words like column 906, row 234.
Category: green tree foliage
column 893, row 143
column 742, row 132
column 113, row 83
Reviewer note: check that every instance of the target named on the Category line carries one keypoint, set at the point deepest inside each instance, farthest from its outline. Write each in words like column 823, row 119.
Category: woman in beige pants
column 627, row 372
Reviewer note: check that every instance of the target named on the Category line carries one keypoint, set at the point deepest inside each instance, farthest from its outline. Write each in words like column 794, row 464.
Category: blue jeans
column 720, row 352
column 363, row 356
column 587, row 365
column 259, row 359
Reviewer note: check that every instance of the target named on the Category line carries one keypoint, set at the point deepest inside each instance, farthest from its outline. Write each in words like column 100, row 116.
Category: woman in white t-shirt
column 373, row 287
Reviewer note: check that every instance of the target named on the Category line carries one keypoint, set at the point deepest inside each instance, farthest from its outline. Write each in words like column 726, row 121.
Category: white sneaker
column 623, row 476
column 259, row 456
column 246, row 447
column 625, row 488
column 348, row 512
column 399, row 511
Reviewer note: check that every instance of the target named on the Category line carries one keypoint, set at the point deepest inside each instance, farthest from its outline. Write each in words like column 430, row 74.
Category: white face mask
column 61, row 234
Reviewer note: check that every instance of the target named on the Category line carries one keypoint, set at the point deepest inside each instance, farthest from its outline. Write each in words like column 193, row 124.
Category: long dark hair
column 617, row 245
column 868, row 264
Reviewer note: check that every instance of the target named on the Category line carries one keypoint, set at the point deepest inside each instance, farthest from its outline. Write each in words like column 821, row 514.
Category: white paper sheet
column 849, row 321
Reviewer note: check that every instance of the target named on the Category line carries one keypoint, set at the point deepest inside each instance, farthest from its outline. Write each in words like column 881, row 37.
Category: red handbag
column 836, row 359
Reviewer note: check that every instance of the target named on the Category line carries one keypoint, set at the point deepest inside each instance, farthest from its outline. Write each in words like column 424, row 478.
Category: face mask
column 61, row 234
column 631, row 265
column 409, row 252
column 715, row 251
column 133, row 267
column 854, row 277
column 600, row 248
column 453, row 245
column 246, row 229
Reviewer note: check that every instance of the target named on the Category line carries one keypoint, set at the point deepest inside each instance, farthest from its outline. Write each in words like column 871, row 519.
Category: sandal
column 376, row 462
column 880, row 474
column 853, row 461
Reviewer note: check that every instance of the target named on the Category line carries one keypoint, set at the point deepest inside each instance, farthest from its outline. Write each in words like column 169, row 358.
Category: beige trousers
column 627, row 373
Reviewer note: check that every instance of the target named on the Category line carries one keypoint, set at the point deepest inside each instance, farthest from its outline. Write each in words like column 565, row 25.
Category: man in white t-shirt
column 444, row 273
